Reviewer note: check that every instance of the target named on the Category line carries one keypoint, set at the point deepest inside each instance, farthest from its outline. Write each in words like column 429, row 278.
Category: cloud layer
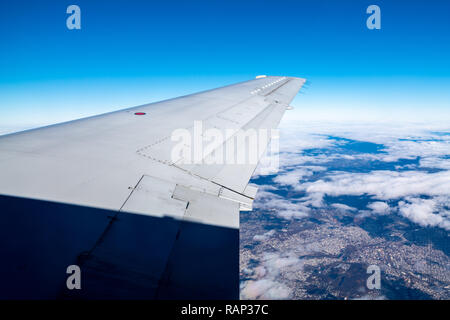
column 307, row 151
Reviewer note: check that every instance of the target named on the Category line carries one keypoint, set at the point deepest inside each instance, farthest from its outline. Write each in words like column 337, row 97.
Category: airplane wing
column 108, row 194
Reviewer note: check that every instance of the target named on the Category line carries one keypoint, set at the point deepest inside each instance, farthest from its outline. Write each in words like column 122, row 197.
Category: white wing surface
column 135, row 197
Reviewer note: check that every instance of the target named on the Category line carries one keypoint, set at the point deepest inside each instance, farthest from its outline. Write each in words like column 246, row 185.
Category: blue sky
column 133, row 52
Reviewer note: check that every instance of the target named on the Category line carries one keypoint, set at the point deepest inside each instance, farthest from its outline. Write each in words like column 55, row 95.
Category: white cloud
column 293, row 177
column 410, row 149
column 382, row 184
column 284, row 208
column 275, row 262
column 427, row 212
column 264, row 289
column 313, row 200
column 379, row 207
column 402, row 140
column 391, row 185
column 265, row 236
column 435, row 162
column 292, row 143
column 343, row 207
column 266, row 285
